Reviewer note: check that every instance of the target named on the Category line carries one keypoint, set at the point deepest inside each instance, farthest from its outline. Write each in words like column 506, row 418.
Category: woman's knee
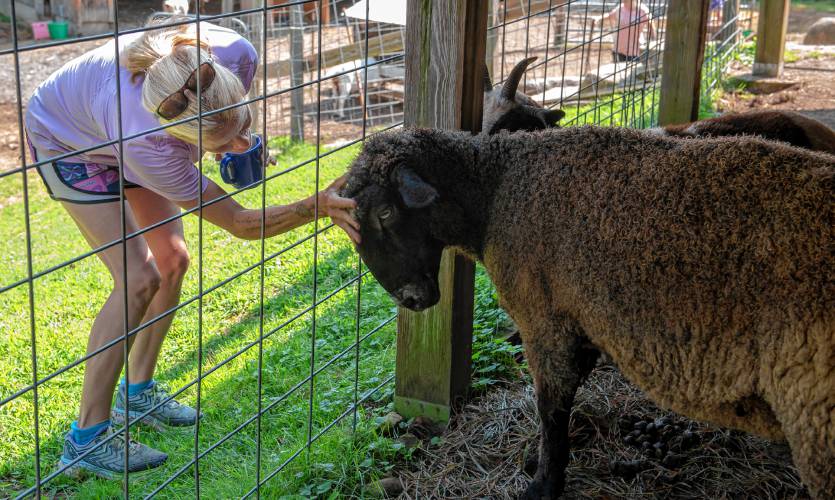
column 143, row 281
column 173, row 266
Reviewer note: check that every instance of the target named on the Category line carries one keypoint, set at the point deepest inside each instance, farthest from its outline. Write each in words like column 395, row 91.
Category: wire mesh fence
column 284, row 344
column 597, row 60
column 731, row 25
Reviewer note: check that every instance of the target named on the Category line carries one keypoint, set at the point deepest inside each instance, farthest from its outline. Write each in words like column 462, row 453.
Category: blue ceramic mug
column 244, row 169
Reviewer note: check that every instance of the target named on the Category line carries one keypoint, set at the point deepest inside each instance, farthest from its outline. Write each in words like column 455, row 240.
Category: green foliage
column 636, row 109
column 67, row 300
column 493, row 358
column 718, row 58
column 818, row 5
column 790, row 56
column 747, row 51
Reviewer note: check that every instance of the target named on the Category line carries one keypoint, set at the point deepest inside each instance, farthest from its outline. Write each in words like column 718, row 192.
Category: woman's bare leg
column 101, row 224
column 168, row 246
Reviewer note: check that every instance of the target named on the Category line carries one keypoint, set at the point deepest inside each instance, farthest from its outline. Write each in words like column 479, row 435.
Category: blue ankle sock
column 134, row 389
column 87, row 434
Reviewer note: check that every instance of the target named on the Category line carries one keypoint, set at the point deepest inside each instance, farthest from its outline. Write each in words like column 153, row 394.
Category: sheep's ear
column 416, row 193
column 552, row 117
column 549, row 117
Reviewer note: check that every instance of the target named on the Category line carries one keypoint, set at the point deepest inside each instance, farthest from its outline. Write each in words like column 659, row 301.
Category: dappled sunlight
column 68, row 299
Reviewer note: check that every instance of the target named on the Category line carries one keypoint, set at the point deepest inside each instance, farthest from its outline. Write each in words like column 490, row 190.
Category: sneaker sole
column 83, row 469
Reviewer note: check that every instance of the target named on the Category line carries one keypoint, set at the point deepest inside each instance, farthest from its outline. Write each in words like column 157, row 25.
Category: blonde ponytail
column 165, row 58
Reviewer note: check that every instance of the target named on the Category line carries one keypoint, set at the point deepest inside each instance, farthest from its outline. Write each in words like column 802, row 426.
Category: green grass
column 819, row 5
column 635, row 109
column 717, row 60
column 66, row 301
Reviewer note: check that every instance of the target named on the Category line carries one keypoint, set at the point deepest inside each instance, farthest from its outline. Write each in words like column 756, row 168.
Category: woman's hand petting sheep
column 339, row 209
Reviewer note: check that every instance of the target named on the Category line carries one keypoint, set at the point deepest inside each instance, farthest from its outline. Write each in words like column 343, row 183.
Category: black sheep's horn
column 515, row 76
column 488, row 85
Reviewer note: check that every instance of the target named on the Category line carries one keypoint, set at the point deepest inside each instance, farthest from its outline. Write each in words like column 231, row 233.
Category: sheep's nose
column 409, row 297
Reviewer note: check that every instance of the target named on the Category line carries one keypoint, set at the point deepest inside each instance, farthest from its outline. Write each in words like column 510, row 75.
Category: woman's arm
column 246, row 223
column 646, row 17
column 650, row 29
column 605, row 18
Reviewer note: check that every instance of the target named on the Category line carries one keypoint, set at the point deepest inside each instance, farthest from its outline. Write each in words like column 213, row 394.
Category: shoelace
column 120, row 440
column 160, row 394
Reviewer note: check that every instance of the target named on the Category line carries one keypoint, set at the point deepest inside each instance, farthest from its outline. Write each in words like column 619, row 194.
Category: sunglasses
column 174, row 105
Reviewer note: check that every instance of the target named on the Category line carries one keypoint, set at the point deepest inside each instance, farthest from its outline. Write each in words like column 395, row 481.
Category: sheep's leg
column 809, row 431
column 558, row 362
column 800, row 385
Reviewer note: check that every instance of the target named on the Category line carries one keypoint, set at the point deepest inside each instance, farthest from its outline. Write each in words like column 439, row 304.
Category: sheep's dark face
column 505, row 108
column 396, row 243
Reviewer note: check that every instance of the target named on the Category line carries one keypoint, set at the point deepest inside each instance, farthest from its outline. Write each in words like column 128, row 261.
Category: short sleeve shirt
column 75, row 109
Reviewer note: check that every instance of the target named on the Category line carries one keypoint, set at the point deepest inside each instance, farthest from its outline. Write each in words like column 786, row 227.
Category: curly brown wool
column 705, row 268
column 776, row 125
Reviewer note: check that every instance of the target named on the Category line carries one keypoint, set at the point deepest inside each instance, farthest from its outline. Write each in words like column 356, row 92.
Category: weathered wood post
column 684, row 48
column 297, row 72
column 445, row 47
column 771, row 38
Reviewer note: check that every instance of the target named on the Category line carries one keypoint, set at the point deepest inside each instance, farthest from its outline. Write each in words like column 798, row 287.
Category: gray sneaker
column 170, row 413
column 108, row 460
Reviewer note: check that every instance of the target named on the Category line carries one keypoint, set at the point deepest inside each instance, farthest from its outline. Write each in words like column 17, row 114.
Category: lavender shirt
column 75, row 108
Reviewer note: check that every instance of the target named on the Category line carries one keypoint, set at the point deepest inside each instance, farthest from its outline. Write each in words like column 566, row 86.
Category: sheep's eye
column 384, row 214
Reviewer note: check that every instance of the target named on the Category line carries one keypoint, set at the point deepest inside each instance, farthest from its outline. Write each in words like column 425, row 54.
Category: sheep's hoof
column 543, row 490
column 531, row 463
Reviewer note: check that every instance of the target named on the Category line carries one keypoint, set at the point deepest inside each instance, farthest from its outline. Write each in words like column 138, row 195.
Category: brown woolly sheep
column 776, row 125
column 705, row 268
column 505, row 108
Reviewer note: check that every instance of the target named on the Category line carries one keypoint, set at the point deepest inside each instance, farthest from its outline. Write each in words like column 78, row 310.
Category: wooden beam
column 377, row 45
column 771, row 38
column 684, row 49
column 445, row 47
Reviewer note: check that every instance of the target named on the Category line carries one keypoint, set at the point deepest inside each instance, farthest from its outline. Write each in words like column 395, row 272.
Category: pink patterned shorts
column 81, row 182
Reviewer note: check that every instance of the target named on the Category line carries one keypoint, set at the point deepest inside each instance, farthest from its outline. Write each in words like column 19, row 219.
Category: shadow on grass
column 230, row 394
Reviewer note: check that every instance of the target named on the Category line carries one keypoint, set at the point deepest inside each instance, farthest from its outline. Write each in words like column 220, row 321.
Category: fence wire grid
column 285, row 344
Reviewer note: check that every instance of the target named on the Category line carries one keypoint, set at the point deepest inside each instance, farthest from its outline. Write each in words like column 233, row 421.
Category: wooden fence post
column 684, row 49
column 445, row 47
column 771, row 38
column 297, row 72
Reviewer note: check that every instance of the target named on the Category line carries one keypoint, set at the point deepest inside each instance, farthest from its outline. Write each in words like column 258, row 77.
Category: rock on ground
column 821, row 33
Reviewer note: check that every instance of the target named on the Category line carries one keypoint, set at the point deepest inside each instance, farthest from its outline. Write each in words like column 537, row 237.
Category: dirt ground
column 813, row 95
column 35, row 66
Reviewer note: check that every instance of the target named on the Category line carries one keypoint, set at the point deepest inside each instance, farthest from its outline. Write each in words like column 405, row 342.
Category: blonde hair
column 166, row 57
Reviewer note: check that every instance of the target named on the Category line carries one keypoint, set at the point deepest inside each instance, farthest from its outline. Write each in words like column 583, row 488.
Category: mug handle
column 227, row 174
